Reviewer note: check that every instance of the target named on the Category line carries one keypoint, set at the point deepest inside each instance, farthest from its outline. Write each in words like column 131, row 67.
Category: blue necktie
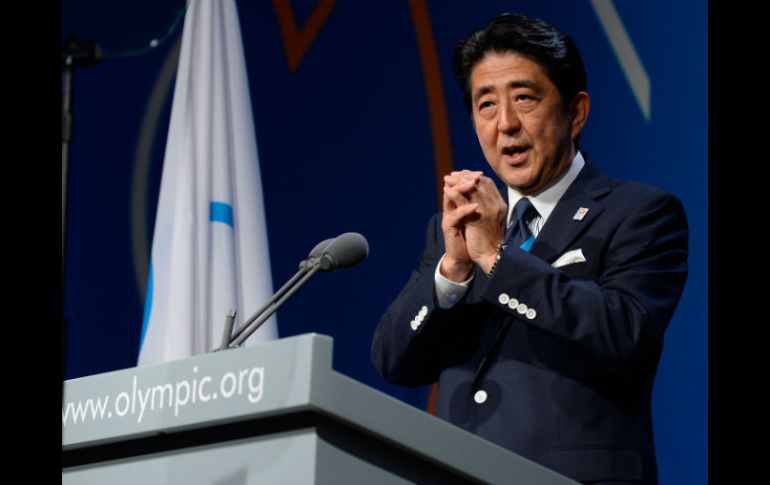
column 518, row 232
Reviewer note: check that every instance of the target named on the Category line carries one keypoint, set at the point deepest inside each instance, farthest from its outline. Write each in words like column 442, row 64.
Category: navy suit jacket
column 569, row 383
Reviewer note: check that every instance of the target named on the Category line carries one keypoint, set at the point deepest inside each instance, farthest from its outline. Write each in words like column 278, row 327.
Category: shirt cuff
column 448, row 293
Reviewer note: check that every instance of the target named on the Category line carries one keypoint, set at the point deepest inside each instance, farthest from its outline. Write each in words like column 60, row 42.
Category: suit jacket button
column 414, row 325
column 522, row 308
column 503, row 298
column 480, row 397
column 423, row 311
column 513, row 303
column 531, row 314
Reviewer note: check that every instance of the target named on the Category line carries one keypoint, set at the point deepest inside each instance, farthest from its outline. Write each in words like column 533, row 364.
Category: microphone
column 343, row 251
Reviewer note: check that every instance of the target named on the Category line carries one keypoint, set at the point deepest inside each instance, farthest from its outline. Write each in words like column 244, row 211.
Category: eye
column 485, row 104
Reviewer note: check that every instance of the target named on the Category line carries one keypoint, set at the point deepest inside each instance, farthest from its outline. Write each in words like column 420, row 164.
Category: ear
column 578, row 111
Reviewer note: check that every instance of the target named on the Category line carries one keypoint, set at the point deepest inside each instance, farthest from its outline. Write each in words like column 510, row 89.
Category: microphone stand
column 73, row 55
column 307, row 269
column 340, row 252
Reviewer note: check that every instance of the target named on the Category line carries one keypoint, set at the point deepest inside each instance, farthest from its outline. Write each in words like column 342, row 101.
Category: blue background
column 345, row 144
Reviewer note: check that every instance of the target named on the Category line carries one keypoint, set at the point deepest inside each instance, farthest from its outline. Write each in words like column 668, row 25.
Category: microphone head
column 315, row 254
column 345, row 250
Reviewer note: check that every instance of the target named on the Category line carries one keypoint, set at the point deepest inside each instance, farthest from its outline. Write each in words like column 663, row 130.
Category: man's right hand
column 485, row 230
column 457, row 264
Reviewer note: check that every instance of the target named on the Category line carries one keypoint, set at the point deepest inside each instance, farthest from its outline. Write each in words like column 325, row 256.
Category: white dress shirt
column 448, row 293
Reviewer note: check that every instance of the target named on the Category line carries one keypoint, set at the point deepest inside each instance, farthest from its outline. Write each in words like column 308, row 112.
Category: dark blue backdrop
column 345, row 144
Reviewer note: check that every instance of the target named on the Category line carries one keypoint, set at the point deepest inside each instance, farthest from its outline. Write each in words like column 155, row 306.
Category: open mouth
column 514, row 154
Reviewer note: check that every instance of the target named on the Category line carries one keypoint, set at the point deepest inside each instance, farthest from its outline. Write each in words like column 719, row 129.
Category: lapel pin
column 580, row 214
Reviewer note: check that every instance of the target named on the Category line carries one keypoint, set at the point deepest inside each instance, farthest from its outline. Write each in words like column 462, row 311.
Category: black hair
column 555, row 52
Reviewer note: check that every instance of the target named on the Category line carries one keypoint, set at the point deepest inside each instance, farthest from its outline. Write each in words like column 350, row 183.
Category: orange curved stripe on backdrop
column 438, row 118
column 435, row 91
column 296, row 42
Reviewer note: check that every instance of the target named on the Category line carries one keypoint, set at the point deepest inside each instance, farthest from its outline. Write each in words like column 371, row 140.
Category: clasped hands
column 473, row 224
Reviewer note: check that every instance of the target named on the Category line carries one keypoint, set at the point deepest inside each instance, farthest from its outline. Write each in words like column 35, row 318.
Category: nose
column 508, row 122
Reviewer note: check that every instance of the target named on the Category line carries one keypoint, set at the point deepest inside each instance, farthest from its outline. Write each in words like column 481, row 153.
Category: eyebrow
column 516, row 83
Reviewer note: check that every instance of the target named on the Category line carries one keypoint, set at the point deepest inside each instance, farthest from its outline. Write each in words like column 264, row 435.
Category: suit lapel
column 562, row 228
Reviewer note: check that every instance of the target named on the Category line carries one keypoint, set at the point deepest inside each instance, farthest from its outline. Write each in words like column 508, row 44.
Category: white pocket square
column 570, row 257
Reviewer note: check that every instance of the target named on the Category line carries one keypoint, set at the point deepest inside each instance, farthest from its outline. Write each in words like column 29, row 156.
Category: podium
column 274, row 413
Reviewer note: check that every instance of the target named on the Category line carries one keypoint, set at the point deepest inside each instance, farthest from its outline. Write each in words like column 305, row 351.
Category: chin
column 517, row 180
column 518, row 185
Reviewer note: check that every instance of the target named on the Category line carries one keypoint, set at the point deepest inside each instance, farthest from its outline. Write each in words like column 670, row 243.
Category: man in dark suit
column 541, row 319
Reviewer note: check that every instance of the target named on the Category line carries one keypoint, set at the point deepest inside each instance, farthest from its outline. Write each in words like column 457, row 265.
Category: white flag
column 209, row 249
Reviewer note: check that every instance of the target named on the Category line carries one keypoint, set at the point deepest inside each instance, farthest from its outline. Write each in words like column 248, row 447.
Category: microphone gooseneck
column 343, row 251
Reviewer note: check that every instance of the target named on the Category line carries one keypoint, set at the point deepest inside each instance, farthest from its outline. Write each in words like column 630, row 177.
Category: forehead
column 498, row 69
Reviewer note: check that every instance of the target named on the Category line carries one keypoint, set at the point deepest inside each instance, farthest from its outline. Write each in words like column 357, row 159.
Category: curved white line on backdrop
column 626, row 53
